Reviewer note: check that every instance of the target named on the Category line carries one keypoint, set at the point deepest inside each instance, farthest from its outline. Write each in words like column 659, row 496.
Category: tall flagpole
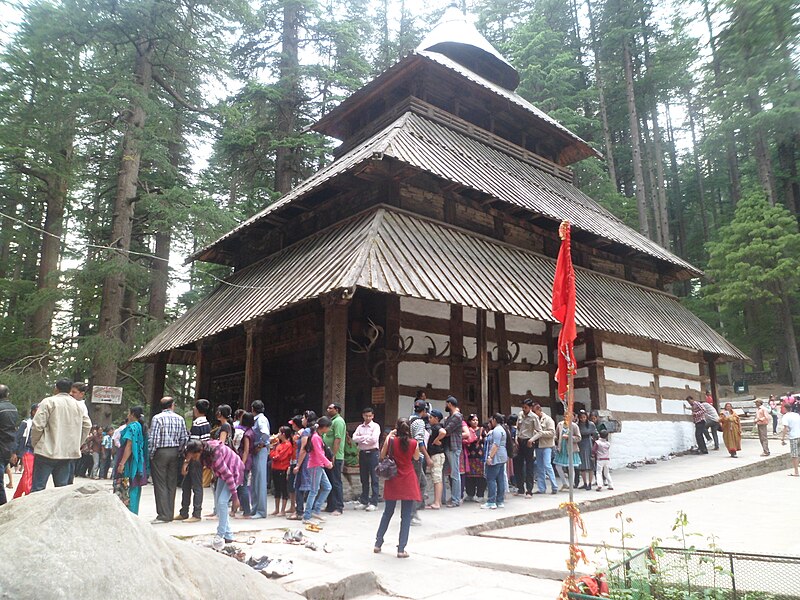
column 564, row 311
column 570, row 456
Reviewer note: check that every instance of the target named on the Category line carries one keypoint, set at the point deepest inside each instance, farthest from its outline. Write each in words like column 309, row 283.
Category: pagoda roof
column 573, row 147
column 461, row 153
column 456, row 37
column 391, row 251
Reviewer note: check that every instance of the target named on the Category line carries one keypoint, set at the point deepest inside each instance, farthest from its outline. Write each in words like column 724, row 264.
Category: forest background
column 135, row 132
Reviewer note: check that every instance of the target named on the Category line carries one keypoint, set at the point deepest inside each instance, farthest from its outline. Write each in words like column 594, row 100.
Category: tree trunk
column 47, row 278
column 650, row 181
column 731, row 154
column 701, row 191
column 578, row 53
column 790, row 342
column 677, row 193
column 105, row 363
column 662, row 208
column 751, row 327
column 612, row 169
column 50, row 256
column 763, row 159
column 787, row 159
column 289, row 102
column 636, row 152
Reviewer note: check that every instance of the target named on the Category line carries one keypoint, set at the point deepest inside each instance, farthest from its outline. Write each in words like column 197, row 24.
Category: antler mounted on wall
column 466, row 354
column 505, row 356
column 373, row 335
column 432, row 353
column 404, row 345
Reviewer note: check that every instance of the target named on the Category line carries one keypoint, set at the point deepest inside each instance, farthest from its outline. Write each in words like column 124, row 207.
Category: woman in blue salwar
column 132, row 463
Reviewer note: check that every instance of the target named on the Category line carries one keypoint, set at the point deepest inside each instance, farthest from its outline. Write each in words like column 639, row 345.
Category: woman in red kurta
column 403, row 486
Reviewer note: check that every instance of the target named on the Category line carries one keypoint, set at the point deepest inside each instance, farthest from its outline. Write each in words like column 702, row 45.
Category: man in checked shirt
column 167, row 435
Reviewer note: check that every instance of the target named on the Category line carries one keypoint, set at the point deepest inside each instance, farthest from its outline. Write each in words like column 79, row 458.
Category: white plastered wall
column 640, row 440
column 643, row 439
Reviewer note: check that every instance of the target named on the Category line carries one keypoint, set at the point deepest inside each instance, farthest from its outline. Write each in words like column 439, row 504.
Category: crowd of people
column 433, row 460
column 708, row 422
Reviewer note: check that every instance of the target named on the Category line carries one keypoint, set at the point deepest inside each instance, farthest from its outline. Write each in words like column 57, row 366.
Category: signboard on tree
column 106, row 394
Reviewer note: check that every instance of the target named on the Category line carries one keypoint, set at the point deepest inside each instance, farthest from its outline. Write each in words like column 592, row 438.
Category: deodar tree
column 756, row 259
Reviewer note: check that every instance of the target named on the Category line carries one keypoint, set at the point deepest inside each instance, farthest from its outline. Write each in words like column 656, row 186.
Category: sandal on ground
column 432, row 507
column 314, row 528
column 294, row 517
column 402, row 554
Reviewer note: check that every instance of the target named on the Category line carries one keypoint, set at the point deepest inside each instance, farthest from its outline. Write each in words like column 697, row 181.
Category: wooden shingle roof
column 470, row 158
column 388, row 250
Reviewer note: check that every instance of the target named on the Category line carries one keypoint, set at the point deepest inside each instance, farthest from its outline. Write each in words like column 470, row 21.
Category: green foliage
column 756, row 257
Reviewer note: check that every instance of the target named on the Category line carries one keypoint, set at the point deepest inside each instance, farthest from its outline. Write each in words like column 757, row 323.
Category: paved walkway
column 446, row 558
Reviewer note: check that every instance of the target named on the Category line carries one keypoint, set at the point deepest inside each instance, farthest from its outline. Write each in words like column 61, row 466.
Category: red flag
column 564, row 310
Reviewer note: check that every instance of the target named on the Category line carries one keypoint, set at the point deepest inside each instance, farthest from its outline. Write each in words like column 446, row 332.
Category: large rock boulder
column 81, row 542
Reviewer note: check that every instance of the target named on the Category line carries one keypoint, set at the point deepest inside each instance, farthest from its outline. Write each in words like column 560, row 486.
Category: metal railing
column 670, row 573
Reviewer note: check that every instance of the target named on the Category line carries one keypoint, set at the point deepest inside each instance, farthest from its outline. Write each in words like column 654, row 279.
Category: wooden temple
column 422, row 258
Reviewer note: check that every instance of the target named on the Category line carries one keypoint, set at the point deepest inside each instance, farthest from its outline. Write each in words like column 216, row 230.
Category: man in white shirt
column 56, row 433
column 366, row 437
column 791, row 428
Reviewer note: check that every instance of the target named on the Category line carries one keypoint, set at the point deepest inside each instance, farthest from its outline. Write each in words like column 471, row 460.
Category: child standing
column 602, row 452
column 436, row 451
column 281, row 456
column 192, row 486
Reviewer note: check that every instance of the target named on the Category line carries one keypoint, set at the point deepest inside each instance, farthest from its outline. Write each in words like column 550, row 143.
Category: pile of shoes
column 234, row 552
column 293, row 536
column 271, row 567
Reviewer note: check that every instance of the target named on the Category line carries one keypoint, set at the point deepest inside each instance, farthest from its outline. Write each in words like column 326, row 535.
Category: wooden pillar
column 656, row 382
column 457, row 352
column 254, row 362
column 203, row 370
column 711, row 361
column 482, row 359
column 335, row 359
column 391, row 383
column 596, row 364
column 157, row 382
column 552, row 362
column 503, row 376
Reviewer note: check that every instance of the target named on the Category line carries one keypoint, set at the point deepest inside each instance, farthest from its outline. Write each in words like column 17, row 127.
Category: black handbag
column 387, row 467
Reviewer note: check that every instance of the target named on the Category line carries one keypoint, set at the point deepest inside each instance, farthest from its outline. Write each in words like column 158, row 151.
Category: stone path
column 449, row 559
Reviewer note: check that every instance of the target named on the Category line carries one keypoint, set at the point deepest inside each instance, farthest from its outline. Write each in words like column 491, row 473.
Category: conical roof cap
column 457, row 38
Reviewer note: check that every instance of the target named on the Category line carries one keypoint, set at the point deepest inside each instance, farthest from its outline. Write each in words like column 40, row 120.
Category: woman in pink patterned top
column 229, row 471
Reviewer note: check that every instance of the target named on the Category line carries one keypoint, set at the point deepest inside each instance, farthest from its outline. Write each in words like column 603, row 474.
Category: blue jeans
column 243, row 492
column 44, row 467
column 336, row 500
column 320, row 488
column 259, row 485
column 496, row 483
column 368, row 470
column 544, row 469
column 406, row 509
column 453, row 458
column 222, row 495
column 299, row 502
